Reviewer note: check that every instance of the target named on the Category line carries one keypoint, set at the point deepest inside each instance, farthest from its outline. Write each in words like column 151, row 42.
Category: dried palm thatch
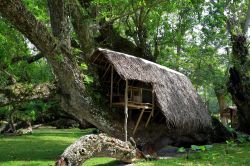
column 175, row 95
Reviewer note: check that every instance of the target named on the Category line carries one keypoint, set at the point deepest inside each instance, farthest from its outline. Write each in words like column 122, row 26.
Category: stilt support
column 138, row 121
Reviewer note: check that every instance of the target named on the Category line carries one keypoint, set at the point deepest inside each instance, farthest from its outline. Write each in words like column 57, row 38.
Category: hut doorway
column 130, row 95
column 135, row 96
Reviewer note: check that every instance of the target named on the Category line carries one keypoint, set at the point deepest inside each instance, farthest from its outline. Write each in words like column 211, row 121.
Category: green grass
column 43, row 146
column 220, row 154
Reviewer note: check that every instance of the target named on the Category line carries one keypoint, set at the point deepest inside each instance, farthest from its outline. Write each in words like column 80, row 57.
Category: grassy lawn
column 220, row 154
column 45, row 145
column 41, row 148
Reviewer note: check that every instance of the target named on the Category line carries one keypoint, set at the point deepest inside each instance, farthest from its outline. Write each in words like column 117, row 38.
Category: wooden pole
column 106, row 71
column 111, row 89
column 96, row 58
column 126, row 111
column 153, row 102
column 138, row 121
column 140, row 95
column 152, row 112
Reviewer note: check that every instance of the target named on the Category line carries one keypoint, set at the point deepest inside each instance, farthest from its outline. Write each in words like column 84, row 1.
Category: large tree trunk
column 75, row 99
column 239, row 83
column 221, row 101
column 222, row 104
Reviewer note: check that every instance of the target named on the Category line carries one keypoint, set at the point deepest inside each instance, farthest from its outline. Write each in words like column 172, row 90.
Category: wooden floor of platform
column 133, row 105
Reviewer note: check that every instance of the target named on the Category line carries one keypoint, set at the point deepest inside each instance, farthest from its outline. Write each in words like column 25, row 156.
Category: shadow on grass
column 30, row 149
column 112, row 163
column 102, row 161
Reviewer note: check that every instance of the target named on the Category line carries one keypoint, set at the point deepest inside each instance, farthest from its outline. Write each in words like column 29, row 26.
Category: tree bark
column 221, row 101
column 219, row 92
column 239, row 82
column 222, row 105
column 11, row 120
column 97, row 146
column 81, row 25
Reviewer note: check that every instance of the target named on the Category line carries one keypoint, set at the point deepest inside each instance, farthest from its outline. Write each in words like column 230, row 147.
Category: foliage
column 37, row 111
column 181, row 150
column 4, row 112
column 242, row 138
column 198, row 148
column 39, row 9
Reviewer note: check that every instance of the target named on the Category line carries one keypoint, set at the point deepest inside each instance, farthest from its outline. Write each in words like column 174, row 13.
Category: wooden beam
column 96, row 58
column 111, row 89
column 126, row 111
column 135, row 87
column 153, row 102
column 138, row 121
column 134, row 105
column 140, row 95
column 106, row 71
column 118, row 87
column 152, row 112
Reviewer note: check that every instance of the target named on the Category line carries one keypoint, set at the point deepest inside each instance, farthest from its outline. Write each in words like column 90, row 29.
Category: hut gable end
column 175, row 95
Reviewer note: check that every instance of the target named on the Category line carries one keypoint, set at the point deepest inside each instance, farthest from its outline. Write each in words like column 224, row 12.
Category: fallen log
column 100, row 145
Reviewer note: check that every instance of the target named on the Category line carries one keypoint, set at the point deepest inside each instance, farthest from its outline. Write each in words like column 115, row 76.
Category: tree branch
column 28, row 59
column 81, row 26
column 60, row 22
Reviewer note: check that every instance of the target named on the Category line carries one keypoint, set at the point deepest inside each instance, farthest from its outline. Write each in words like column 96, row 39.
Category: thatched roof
column 175, row 95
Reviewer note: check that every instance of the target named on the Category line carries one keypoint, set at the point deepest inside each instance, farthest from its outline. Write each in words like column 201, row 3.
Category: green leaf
column 202, row 148
column 181, row 150
column 84, row 66
column 88, row 79
column 195, row 147
column 208, row 146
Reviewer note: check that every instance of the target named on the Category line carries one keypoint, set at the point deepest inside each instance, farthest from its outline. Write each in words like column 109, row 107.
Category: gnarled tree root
column 100, row 145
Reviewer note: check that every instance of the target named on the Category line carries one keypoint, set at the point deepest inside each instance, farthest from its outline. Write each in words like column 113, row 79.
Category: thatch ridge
column 175, row 95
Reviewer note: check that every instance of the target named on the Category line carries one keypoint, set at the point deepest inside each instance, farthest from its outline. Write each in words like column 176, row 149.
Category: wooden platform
column 134, row 105
column 143, row 107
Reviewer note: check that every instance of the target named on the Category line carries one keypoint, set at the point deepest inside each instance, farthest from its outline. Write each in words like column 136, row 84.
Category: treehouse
column 145, row 90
